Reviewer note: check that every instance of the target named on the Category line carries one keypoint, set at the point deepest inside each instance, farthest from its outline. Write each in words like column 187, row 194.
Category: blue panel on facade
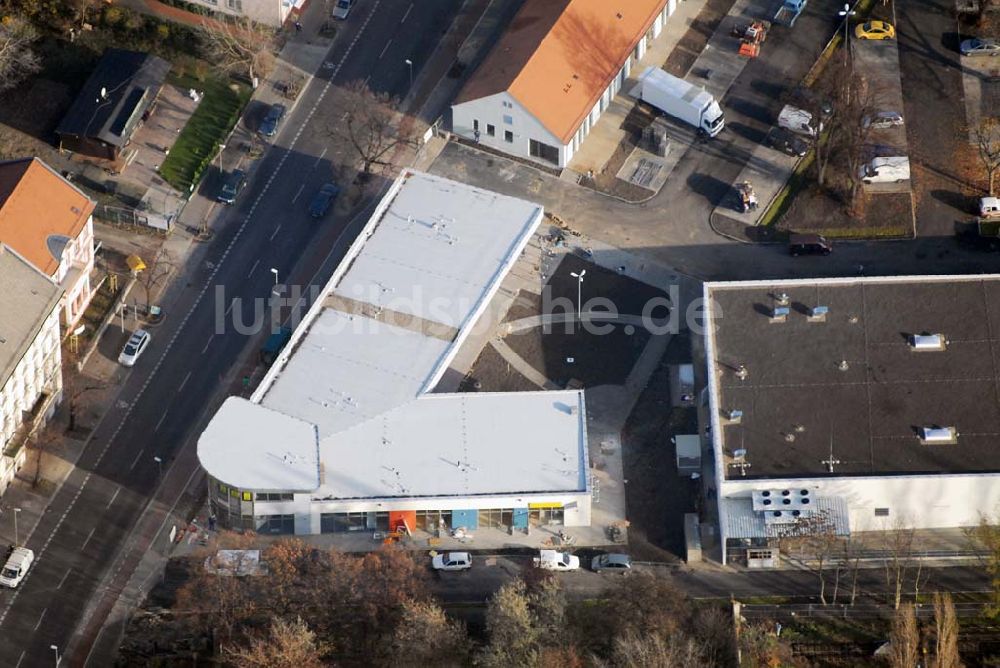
column 520, row 518
column 465, row 518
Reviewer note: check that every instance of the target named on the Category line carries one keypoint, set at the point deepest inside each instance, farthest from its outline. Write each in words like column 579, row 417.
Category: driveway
column 934, row 108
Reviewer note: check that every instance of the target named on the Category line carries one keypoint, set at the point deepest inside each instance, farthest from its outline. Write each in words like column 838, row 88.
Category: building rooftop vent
column 936, row 435
column 928, row 342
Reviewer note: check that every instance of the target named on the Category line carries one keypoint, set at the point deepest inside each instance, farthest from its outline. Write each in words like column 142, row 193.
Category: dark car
column 808, row 244
column 232, row 186
column 321, row 202
column 788, row 142
column 269, row 126
column 611, row 563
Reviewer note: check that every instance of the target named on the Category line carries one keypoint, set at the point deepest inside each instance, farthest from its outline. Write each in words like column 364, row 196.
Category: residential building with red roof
column 553, row 73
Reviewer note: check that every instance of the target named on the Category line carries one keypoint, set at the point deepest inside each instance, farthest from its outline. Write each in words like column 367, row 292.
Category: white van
column 17, row 566
column 989, row 207
column 798, row 121
column 885, row 170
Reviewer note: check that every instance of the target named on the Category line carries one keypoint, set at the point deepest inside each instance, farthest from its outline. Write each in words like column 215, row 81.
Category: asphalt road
column 169, row 392
column 484, row 579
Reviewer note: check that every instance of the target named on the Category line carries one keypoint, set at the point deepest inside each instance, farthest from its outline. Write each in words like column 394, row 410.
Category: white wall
column 490, row 111
column 921, row 502
column 39, row 369
column 268, row 12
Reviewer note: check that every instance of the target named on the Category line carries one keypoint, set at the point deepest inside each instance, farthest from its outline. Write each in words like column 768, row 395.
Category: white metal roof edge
column 713, row 410
column 846, row 281
column 484, row 299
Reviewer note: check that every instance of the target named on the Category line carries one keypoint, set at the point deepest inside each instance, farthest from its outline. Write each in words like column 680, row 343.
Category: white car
column 883, row 120
column 17, row 566
column 342, row 9
column 135, row 346
column 551, row 560
column 452, row 561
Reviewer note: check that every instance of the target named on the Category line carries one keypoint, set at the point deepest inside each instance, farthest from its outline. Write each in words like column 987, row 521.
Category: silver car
column 612, row 563
column 137, row 343
column 883, row 120
column 980, row 47
column 342, row 9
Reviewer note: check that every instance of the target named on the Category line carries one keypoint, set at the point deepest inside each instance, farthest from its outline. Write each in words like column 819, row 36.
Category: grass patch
column 785, row 196
column 211, row 122
column 888, row 232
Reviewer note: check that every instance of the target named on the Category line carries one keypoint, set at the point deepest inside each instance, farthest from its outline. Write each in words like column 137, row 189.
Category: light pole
column 159, row 464
column 579, row 292
column 16, row 511
column 275, row 272
column 222, row 147
column 58, row 658
column 409, row 64
column 847, row 13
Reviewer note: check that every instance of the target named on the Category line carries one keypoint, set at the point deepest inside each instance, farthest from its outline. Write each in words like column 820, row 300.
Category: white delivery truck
column 798, row 121
column 885, row 170
column 682, row 100
column 551, row 560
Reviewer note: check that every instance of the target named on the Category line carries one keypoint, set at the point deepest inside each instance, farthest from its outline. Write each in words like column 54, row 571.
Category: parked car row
column 549, row 560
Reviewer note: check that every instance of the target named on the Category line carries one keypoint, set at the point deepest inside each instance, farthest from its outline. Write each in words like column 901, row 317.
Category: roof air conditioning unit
column 928, row 342
column 936, row 435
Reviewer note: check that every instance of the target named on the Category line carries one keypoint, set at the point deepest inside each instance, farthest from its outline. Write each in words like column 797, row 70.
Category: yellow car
column 874, row 30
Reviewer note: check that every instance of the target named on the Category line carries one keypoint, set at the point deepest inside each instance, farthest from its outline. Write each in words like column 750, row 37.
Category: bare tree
column 425, row 636
column 17, row 60
column 158, row 268
column 904, row 642
column 240, row 46
column 44, row 442
column 654, row 651
column 945, row 633
column 899, row 558
column 287, row 644
column 987, row 537
column 987, row 141
column 511, row 627
column 371, row 126
column 816, row 540
column 75, row 386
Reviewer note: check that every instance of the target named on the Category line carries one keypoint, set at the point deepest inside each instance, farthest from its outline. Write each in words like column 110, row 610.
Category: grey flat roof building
column 898, row 376
column 28, row 297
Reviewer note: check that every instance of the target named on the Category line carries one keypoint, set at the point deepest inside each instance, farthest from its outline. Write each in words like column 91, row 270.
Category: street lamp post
column 222, row 147
column 58, row 658
column 16, row 511
column 159, row 464
column 409, row 64
column 847, row 13
column 579, row 292
column 275, row 272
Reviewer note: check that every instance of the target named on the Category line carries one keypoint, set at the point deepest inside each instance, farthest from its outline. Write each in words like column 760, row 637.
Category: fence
column 126, row 217
column 845, row 611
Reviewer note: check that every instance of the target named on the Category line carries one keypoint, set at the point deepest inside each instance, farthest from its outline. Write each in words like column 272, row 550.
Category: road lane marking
column 275, row 233
column 298, row 192
column 68, row 571
column 89, row 536
column 252, row 268
column 40, row 618
column 403, row 20
column 385, row 48
column 229, row 308
column 316, row 164
column 113, row 497
column 207, row 344
column 9, row 603
column 136, row 460
column 184, row 382
column 162, row 418
column 23, row 652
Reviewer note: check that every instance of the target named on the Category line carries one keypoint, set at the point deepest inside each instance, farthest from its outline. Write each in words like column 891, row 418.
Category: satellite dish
column 739, row 453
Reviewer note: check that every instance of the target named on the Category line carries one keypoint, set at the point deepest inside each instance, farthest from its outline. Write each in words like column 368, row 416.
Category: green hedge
column 198, row 143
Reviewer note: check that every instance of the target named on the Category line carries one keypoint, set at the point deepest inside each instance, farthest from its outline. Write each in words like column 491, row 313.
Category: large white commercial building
column 552, row 74
column 852, row 405
column 30, row 359
column 345, row 432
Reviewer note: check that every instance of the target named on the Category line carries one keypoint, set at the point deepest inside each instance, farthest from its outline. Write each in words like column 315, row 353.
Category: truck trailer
column 789, row 12
column 683, row 100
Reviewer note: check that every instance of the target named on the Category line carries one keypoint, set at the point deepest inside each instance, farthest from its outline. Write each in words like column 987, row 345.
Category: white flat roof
column 349, row 368
column 251, row 447
column 462, row 445
column 428, row 261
